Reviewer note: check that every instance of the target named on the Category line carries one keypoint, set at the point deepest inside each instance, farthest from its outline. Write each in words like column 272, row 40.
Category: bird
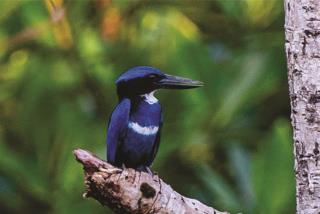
column 134, row 127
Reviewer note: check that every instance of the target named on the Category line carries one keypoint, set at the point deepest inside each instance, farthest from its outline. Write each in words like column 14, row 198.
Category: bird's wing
column 117, row 128
column 156, row 144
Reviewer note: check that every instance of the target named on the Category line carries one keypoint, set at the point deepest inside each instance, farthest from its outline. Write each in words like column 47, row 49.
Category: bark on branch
column 302, row 28
column 130, row 191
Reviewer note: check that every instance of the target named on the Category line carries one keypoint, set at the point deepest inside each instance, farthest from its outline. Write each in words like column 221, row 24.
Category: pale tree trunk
column 302, row 29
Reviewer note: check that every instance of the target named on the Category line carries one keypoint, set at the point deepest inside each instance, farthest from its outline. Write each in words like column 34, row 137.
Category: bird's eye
column 152, row 76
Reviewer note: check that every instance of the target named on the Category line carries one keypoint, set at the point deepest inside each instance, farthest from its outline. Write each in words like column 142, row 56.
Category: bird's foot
column 149, row 171
column 110, row 171
column 124, row 167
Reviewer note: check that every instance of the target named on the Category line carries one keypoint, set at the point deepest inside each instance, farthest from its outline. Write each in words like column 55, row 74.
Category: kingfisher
column 134, row 127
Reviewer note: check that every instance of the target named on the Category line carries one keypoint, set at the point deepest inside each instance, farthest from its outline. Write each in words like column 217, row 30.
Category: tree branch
column 130, row 191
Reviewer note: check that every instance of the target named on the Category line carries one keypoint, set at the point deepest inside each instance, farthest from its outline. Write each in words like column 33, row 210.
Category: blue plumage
column 135, row 124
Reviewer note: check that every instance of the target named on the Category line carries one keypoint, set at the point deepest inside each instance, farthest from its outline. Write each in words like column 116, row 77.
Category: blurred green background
column 227, row 144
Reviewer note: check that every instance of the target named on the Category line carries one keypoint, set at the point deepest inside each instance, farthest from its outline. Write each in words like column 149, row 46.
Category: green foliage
column 227, row 144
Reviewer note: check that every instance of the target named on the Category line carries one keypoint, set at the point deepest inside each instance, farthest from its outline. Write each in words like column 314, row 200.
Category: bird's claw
column 124, row 167
column 110, row 171
column 149, row 171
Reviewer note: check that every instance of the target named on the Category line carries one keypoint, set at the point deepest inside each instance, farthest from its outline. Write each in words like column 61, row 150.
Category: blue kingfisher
column 135, row 124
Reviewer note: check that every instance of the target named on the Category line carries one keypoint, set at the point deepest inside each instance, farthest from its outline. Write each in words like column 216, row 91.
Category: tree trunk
column 130, row 191
column 302, row 29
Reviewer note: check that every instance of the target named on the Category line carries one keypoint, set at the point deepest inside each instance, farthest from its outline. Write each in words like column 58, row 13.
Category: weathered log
column 131, row 191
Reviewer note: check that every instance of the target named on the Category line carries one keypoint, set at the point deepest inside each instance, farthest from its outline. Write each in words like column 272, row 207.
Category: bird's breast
column 139, row 142
column 142, row 130
column 144, row 116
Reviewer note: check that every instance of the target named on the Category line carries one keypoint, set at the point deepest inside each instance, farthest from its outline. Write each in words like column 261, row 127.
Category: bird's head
column 142, row 80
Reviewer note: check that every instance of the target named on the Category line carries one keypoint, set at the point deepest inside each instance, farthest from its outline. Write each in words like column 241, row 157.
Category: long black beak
column 175, row 82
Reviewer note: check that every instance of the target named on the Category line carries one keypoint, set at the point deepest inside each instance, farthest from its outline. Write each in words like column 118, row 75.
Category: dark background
column 227, row 144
